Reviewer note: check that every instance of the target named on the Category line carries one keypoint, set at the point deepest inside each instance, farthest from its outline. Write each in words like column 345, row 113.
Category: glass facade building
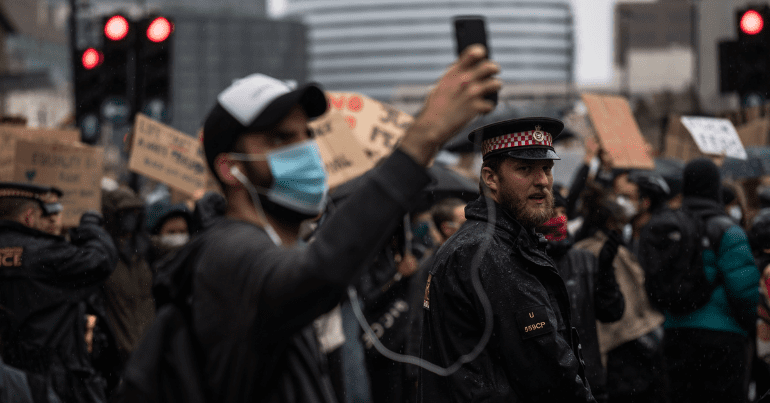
column 376, row 46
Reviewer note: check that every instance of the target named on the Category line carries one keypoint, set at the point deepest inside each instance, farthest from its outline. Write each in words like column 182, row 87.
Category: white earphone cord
column 476, row 281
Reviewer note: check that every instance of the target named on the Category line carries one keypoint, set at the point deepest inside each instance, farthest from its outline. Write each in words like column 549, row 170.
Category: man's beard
column 517, row 205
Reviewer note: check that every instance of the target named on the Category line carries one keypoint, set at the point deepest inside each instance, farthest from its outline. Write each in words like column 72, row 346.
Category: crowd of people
column 279, row 290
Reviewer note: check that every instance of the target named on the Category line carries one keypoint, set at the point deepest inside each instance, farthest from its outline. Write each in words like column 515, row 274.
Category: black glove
column 91, row 217
column 609, row 250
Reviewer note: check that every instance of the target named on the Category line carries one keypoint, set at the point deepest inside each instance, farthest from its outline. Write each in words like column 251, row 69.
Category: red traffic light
column 159, row 29
column 92, row 58
column 116, row 28
column 752, row 22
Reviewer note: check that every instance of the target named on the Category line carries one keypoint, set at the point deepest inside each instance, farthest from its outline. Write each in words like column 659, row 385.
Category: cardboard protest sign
column 10, row 133
column 618, row 132
column 75, row 168
column 715, row 136
column 754, row 133
column 343, row 155
column 167, row 155
column 678, row 141
column 377, row 126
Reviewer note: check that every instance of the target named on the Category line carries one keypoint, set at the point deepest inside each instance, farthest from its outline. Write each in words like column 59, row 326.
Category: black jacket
column 594, row 295
column 533, row 353
column 254, row 302
column 44, row 295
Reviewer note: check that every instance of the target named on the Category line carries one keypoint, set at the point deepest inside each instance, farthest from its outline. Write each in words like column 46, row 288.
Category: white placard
column 715, row 136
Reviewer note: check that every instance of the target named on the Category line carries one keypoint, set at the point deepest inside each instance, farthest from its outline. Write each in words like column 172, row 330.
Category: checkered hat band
column 515, row 140
column 19, row 193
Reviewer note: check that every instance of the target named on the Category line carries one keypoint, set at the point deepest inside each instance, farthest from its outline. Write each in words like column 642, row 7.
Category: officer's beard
column 528, row 217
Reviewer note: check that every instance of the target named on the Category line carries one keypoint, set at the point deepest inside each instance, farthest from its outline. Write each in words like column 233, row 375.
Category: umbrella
column 756, row 165
column 447, row 183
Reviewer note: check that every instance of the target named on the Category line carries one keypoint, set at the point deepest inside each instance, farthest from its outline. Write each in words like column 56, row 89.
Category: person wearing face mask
column 652, row 192
column 169, row 228
column 593, row 291
column 128, row 292
column 631, row 347
column 256, row 291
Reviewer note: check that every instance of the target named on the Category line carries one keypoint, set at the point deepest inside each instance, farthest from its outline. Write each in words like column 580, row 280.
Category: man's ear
column 28, row 218
column 223, row 168
column 490, row 178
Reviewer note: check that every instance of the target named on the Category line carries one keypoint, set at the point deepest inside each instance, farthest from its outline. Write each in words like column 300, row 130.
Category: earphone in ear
column 234, row 170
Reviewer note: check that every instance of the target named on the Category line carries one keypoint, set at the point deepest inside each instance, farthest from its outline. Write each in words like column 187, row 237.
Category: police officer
column 43, row 279
column 533, row 353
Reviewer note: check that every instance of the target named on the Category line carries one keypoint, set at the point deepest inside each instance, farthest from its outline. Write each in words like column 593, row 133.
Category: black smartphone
column 470, row 29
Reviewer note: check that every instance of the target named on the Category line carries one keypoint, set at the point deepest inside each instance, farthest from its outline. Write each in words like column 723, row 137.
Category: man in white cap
column 256, row 292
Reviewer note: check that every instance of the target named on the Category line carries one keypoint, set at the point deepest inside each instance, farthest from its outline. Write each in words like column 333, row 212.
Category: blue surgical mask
column 299, row 179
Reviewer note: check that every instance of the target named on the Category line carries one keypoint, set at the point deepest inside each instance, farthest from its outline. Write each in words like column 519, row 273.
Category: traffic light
column 745, row 63
column 89, row 71
column 153, row 68
column 118, row 46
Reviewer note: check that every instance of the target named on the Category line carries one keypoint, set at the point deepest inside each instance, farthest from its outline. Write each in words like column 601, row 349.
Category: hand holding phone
column 469, row 30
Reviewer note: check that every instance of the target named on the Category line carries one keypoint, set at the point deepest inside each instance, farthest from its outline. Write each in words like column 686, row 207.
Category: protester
column 651, row 192
column 533, row 353
column 256, row 292
column 43, row 280
column 734, row 201
column 169, row 228
column 384, row 289
column 593, row 291
column 448, row 215
column 128, row 291
column 630, row 347
column 51, row 220
column 707, row 350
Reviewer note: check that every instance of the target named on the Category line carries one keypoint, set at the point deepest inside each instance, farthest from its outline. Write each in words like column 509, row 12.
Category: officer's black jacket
column 533, row 353
column 254, row 303
column 43, row 290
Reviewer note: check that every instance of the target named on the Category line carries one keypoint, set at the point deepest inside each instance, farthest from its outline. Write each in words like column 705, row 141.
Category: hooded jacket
column 42, row 288
column 533, row 354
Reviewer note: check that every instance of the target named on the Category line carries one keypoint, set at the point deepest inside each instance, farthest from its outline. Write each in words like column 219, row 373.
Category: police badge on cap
column 525, row 138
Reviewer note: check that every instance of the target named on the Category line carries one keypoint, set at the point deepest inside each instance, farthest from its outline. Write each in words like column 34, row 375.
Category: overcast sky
column 593, row 32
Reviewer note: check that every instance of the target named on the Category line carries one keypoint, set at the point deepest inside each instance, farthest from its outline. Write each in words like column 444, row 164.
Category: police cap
column 524, row 138
column 42, row 194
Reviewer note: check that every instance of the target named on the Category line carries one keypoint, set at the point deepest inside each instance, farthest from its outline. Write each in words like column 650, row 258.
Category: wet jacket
column 533, row 354
column 43, row 281
column 594, row 296
column 736, row 295
column 254, row 302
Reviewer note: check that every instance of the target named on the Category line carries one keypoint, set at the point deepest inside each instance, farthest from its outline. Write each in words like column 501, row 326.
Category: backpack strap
column 715, row 229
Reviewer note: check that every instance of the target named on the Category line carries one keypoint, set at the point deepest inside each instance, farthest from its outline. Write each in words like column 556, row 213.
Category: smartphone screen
column 471, row 29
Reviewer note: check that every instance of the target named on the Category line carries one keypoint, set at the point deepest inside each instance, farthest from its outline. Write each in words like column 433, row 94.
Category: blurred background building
column 393, row 50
